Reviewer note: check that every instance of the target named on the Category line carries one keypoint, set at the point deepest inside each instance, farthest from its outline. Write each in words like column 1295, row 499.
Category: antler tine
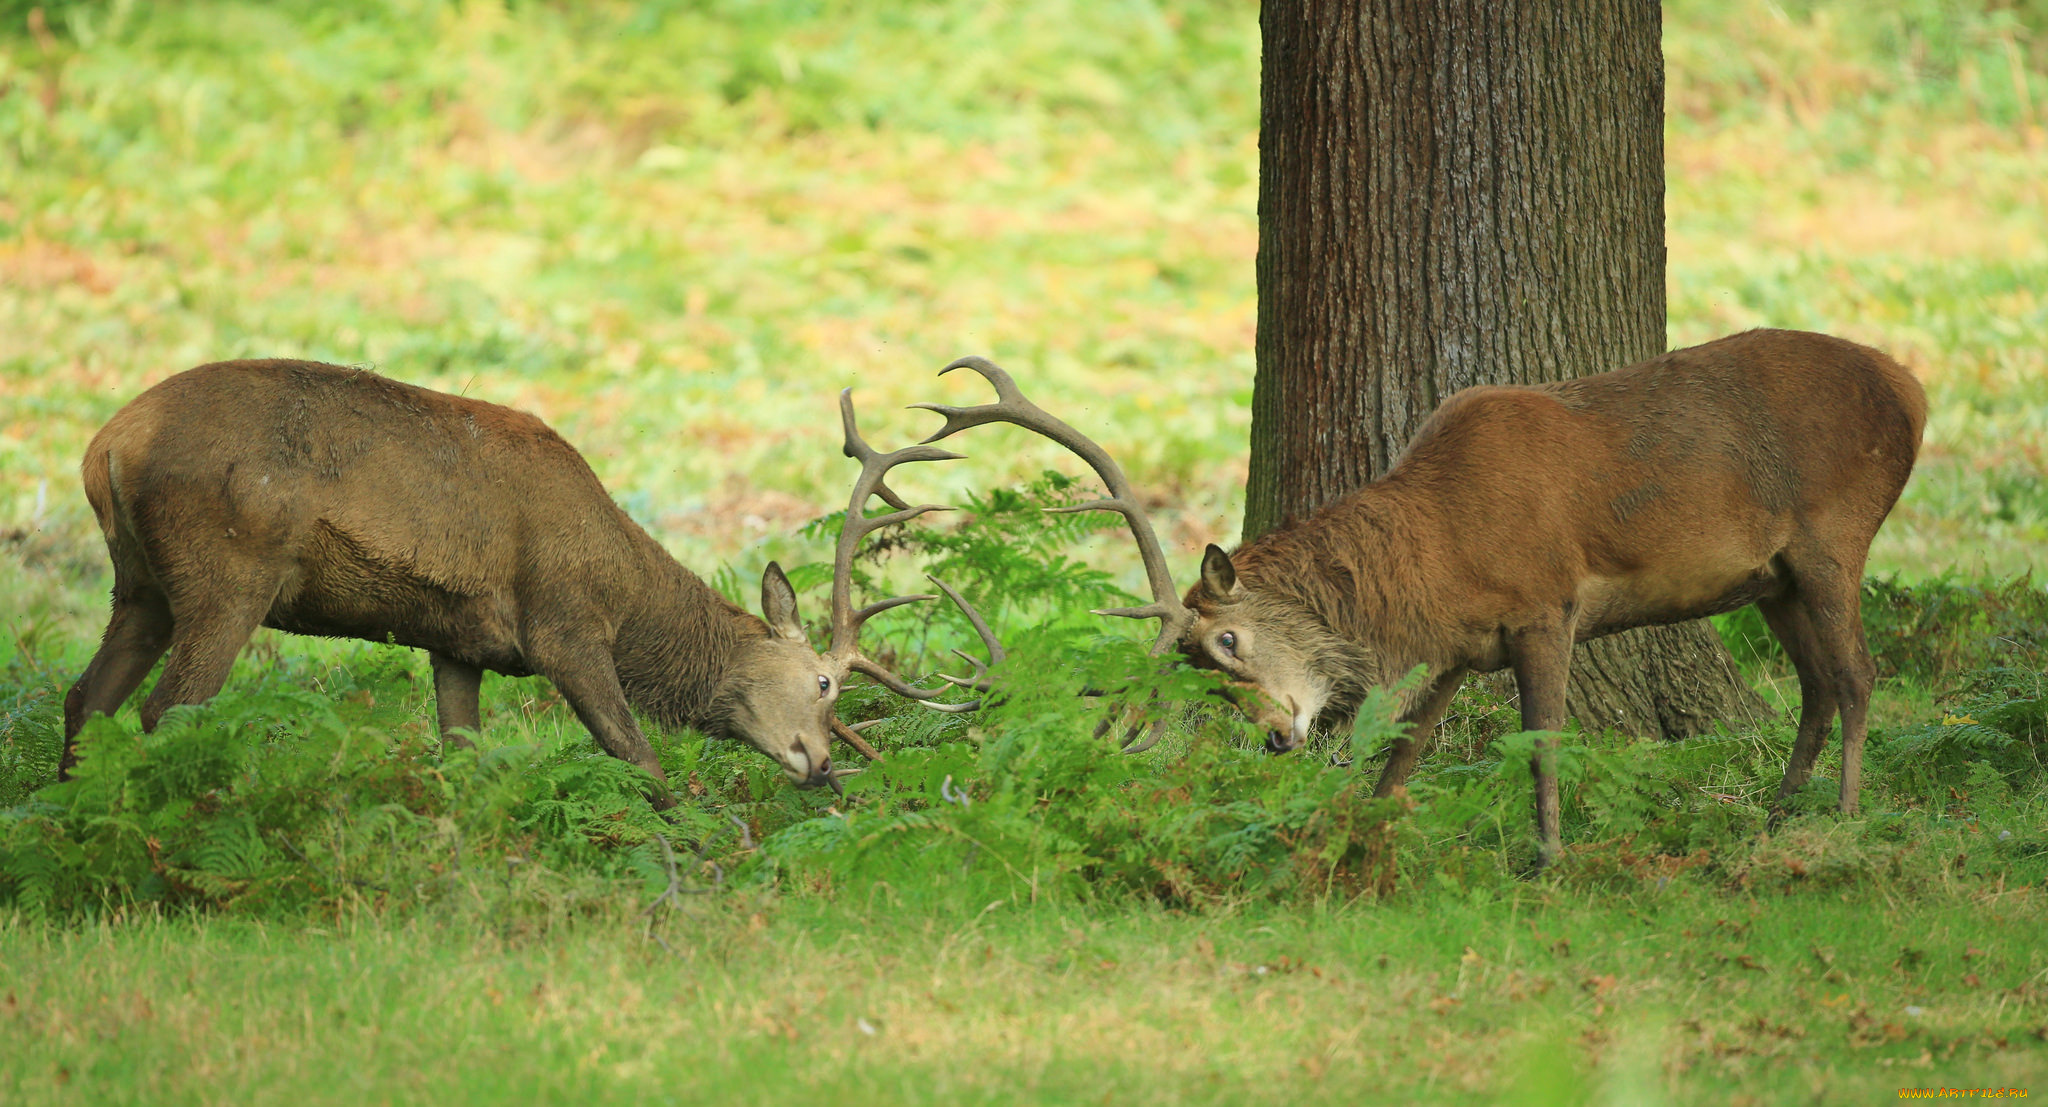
column 925, row 697
column 851, row 736
column 874, row 468
column 1139, row 744
column 996, row 653
column 846, row 621
column 1013, row 407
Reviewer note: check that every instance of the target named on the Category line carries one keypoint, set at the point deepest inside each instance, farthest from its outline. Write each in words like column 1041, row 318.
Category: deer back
column 360, row 482
column 1655, row 492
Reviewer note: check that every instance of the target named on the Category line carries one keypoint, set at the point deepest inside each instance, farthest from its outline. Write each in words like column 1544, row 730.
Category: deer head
column 781, row 694
column 1287, row 667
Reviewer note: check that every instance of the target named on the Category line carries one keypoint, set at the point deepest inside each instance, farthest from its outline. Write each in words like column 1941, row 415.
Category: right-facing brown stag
column 1520, row 520
column 332, row 501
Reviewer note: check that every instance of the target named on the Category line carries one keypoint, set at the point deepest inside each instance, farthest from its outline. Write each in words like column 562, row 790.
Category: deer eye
column 1228, row 641
column 824, row 685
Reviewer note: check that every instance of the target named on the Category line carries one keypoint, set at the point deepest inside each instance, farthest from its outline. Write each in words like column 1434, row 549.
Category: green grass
column 675, row 231
column 1663, row 990
column 1675, row 954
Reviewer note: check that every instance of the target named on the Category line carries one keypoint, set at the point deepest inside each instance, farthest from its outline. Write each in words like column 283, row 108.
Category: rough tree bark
column 1460, row 192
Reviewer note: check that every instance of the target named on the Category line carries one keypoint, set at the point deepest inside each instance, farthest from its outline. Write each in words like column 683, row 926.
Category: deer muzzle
column 1284, row 741
column 1286, row 726
column 804, row 771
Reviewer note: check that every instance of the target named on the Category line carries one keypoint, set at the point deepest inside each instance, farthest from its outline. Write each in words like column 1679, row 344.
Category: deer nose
column 808, row 773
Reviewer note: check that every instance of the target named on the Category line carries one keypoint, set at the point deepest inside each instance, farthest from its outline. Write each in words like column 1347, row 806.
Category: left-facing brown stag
column 328, row 500
column 1520, row 520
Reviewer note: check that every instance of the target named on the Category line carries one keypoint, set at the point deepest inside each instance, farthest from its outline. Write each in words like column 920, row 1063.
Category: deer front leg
column 1542, row 661
column 587, row 679
column 457, row 688
column 1420, row 721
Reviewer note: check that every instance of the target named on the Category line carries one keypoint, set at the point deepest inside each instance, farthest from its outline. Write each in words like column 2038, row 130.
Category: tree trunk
column 1451, row 193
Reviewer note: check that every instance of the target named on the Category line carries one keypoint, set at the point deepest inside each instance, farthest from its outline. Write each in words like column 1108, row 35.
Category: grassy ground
column 1676, row 955
column 1540, row 995
column 635, row 218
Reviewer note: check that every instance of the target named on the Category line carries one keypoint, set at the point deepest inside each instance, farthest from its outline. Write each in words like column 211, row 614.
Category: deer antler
column 846, row 622
column 1011, row 406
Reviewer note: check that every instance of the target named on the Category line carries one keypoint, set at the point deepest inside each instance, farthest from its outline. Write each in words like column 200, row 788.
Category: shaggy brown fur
column 1753, row 469
column 332, row 501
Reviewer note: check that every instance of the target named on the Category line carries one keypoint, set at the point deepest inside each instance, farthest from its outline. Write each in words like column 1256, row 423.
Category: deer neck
column 1360, row 565
column 679, row 645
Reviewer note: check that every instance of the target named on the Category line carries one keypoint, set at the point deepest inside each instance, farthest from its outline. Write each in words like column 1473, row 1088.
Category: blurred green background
column 675, row 230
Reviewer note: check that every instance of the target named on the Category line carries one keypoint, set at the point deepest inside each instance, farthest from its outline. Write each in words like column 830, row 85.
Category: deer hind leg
column 1542, row 661
column 458, row 686
column 1832, row 596
column 1788, row 619
column 1420, row 722
column 138, row 632
column 210, row 627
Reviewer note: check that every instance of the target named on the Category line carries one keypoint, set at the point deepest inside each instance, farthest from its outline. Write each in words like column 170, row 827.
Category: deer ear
column 1219, row 576
column 778, row 604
